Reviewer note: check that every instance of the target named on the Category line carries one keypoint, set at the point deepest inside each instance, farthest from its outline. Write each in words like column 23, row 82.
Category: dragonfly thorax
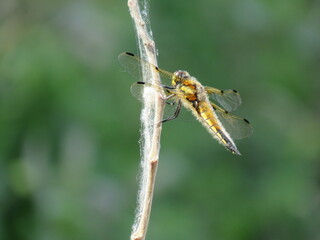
column 179, row 76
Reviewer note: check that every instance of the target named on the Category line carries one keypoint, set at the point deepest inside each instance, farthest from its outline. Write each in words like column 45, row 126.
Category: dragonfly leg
column 168, row 87
column 175, row 115
column 169, row 96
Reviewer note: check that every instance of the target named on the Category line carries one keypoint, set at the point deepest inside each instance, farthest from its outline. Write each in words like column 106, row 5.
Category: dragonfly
column 185, row 90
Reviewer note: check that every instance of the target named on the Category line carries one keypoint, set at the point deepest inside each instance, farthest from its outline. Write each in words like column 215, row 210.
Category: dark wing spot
column 141, row 82
column 221, row 91
column 246, row 121
column 226, row 112
column 130, row 54
column 214, row 108
column 157, row 68
column 235, row 91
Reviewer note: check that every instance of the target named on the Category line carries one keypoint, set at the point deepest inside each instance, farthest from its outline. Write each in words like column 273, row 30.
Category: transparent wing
column 134, row 64
column 236, row 126
column 171, row 105
column 228, row 99
column 137, row 89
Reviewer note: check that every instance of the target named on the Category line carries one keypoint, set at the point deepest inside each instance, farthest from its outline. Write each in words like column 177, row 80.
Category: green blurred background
column 69, row 127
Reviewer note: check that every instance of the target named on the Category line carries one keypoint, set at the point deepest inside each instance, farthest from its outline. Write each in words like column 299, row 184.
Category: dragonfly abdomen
column 210, row 120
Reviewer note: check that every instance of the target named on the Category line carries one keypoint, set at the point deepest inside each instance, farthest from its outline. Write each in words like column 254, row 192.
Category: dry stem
column 151, row 117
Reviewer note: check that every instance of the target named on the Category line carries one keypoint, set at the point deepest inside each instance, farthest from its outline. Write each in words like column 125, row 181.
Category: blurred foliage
column 69, row 127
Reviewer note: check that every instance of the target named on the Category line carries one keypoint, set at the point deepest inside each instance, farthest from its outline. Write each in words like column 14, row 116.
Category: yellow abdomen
column 209, row 119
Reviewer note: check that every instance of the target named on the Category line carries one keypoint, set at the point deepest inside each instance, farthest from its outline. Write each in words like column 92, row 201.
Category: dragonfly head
column 179, row 77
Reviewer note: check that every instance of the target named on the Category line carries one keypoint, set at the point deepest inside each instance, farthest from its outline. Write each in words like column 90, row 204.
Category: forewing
column 228, row 99
column 133, row 65
column 236, row 126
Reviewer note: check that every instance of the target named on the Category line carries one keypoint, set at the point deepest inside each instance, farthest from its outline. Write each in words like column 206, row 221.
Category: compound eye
column 185, row 76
